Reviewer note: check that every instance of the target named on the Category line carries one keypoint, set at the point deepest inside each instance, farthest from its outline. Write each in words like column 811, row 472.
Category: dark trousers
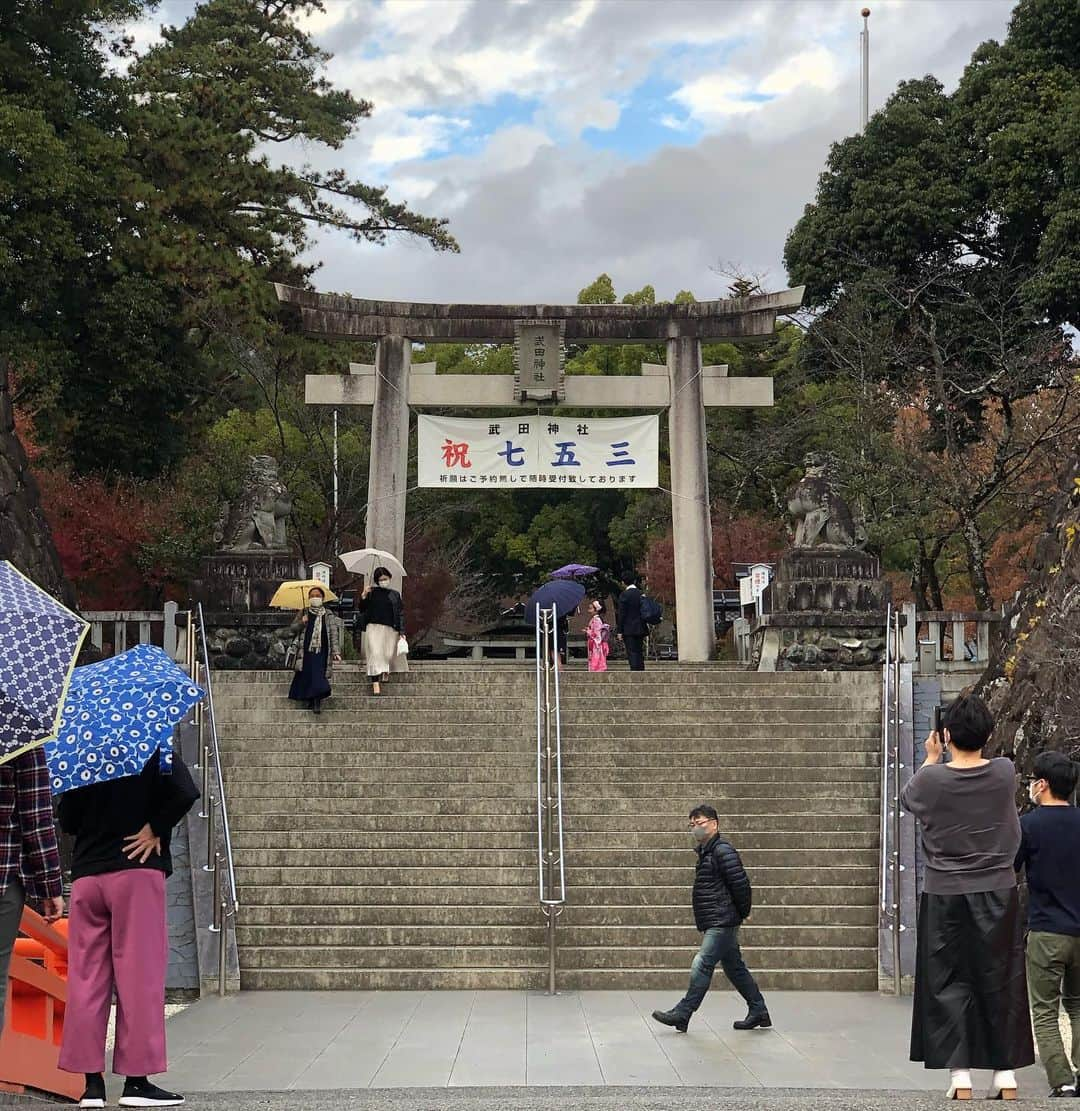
column 719, row 946
column 12, row 899
column 635, row 652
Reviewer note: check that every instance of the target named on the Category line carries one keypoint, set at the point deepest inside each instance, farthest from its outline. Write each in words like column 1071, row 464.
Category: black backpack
column 652, row 613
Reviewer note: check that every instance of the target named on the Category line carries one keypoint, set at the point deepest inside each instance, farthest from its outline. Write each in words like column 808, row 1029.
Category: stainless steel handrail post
column 886, row 717
column 223, row 949
column 211, row 840
column 897, row 766
column 215, row 925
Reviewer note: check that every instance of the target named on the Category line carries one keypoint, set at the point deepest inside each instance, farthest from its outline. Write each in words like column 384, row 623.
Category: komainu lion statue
column 822, row 517
column 255, row 520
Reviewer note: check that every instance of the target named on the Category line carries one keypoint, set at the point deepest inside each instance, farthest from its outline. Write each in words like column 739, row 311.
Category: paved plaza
column 327, row 1041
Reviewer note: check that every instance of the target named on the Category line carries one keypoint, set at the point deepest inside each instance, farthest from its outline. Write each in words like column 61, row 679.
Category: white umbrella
column 364, row 561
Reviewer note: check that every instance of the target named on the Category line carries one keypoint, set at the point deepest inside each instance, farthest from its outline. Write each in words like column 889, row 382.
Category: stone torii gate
column 683, row 386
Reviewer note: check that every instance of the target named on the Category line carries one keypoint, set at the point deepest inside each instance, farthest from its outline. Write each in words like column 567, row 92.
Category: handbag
column 402, row 645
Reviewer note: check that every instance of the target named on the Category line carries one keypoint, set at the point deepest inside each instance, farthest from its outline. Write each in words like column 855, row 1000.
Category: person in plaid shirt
column 29, row 857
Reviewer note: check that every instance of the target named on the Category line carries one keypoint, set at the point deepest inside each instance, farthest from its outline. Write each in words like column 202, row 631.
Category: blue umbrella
column 563, row 594
column 117, row 713
column 39, row 643
column 573, row 571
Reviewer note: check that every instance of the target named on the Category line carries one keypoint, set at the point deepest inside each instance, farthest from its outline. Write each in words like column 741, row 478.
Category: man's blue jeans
column 719, row 946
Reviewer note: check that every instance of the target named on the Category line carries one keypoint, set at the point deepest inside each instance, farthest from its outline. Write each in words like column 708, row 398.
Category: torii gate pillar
column 388, row 465
column 691, row 521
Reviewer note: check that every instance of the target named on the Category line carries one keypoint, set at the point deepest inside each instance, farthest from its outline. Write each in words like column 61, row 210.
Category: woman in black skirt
column 318, row 648
column 970, row 1007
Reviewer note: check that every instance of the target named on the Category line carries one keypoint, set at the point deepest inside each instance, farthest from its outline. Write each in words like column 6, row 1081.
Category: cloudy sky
column 652, row 139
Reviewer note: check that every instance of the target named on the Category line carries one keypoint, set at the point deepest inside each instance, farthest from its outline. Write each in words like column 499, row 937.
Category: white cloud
column 716, row 97
column 403, row 138
column 816, row 68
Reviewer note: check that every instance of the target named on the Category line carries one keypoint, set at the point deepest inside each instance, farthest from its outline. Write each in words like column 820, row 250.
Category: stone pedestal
column 242, row 582
column 248, row 641
column 824, row 611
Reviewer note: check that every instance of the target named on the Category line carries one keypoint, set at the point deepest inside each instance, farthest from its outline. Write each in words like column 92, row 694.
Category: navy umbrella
column 564, row 594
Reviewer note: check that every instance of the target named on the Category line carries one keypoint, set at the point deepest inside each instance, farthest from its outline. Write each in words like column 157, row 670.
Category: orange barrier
column 34, row 1016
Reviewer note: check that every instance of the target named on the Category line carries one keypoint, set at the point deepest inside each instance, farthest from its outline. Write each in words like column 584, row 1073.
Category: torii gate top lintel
column 734, row 318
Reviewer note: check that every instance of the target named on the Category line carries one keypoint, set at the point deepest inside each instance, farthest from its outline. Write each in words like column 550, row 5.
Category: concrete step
column 318, row 917
column 578, row 878
column 351, row 675
column 275, row 893
column 431, row 701
column 322, row 841
column 672, row 814
column 603, row 826
column 310, row 736
column 593, row 860
column 573, row 759
column 646, row 719
column 673, row 958
column 517, row 979
column 637, row 780
column 671, row 795
column 618, row 938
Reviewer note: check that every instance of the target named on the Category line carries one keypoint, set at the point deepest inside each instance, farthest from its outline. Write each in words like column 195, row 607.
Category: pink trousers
column 117, row 938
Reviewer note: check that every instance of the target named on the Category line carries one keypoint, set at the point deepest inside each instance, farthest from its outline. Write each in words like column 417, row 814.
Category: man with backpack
column 632, row 625
column 722, row 899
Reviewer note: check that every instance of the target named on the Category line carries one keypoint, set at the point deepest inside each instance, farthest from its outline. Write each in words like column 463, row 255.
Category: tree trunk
column 975, row 548
column 25, row 538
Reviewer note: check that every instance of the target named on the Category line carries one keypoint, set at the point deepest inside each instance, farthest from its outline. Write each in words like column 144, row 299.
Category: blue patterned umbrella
column 39, row 643
column 116, row 714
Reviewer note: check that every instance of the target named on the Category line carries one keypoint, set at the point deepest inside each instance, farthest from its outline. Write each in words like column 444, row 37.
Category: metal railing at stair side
column 213, row 805
column 549, row 810
column 891, row 766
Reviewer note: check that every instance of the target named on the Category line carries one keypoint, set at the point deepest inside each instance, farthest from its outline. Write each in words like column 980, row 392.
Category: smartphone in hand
column 939, row 729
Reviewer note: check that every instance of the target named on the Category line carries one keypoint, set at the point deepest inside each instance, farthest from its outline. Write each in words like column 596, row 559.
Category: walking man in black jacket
column 722, row 899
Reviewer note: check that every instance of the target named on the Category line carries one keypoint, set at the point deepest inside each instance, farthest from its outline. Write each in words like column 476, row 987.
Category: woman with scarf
column 384, row 627
column 319, row 648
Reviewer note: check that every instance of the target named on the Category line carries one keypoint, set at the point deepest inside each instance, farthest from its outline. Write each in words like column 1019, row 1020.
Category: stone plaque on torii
column 683, row 386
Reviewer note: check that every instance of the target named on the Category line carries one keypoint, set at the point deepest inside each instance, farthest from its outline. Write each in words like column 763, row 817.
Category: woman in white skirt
column 384, row 626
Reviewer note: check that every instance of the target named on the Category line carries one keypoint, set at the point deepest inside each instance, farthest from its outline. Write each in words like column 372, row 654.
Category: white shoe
column 959, row 1084
column 1003, row 1085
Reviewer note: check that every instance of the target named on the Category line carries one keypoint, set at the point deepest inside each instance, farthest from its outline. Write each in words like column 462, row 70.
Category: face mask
column 383, row 582
column 701, row 834
column 1034, row 792
column 315, row 603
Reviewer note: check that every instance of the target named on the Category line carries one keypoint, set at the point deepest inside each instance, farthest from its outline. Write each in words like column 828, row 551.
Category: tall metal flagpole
column 864, row 71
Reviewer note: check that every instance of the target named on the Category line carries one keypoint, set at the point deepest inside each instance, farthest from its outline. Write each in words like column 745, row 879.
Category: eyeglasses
column 700, row 823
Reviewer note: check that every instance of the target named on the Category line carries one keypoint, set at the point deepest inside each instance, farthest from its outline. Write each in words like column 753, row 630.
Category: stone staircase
column 391, row 843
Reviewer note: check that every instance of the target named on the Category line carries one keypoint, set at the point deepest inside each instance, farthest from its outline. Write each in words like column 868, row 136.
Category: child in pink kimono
column 598, row 634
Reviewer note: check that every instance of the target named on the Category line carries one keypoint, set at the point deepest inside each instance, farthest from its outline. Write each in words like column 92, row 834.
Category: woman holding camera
column 970, row 1006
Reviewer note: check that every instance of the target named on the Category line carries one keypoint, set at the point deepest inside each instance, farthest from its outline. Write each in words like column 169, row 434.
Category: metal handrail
column 549, row 811
column 214, row 808
column 891, row 867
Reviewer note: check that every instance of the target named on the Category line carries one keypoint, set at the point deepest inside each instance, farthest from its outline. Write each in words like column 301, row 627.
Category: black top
column 722, row 895
column 382, row 607
column 630, row 621
column 101, row 816
column 1049, row 850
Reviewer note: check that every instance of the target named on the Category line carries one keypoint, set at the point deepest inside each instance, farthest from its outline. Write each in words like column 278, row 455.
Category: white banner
column 532, row 451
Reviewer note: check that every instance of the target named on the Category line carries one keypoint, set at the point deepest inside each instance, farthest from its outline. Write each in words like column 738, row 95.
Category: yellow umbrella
column 294, row 595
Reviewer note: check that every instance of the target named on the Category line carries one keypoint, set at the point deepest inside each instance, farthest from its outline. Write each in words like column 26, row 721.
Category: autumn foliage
column 736, row 537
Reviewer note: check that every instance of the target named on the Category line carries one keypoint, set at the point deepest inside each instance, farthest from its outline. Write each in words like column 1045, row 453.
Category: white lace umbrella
column 364, row 561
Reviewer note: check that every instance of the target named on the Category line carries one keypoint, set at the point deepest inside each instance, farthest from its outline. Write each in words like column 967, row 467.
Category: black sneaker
column 755, row 1017
column 672, row 1018
column 94, row 1096
column 1063, row 1091
column 141, row 1093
